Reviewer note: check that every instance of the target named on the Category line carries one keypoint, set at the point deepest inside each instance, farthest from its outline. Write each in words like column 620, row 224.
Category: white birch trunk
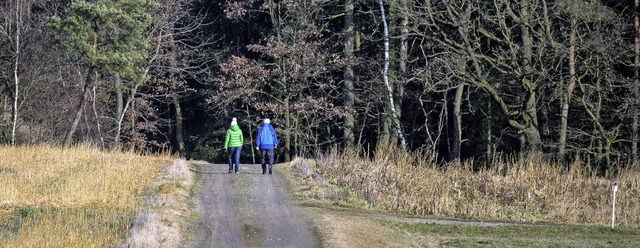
column 130, row 103
column 394, row 115
column 15, row 75
column 116, row 142
column 95, row 113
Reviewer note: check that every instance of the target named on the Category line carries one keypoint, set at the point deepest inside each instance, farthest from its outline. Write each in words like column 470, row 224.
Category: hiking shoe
column 270, row 171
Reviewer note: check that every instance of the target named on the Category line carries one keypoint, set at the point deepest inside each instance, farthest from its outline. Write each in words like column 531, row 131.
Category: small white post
column 614, row 188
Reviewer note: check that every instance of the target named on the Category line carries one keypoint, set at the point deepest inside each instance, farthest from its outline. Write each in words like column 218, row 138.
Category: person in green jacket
column 233, row 145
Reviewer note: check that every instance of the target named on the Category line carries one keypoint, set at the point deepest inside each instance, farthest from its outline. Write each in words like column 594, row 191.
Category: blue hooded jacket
column 267, row 138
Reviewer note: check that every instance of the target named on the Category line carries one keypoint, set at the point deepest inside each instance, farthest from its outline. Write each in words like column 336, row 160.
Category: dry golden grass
column 76, row 197
column 524, row 189
column 163, row 219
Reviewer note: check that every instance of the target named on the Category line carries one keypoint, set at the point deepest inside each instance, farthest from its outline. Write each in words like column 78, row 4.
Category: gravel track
column 245, row 210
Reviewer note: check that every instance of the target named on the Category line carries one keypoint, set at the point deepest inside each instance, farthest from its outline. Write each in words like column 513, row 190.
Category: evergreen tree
column 109, row 37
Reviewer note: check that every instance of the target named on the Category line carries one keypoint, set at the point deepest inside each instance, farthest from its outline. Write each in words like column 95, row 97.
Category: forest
column 459, row 80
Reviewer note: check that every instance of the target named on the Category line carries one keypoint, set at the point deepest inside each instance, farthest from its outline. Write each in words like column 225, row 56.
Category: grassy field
column 519, row 236
column 347, row 226
column 344, row 228
column 384, row 204
column 521, row 189
column 76, row 197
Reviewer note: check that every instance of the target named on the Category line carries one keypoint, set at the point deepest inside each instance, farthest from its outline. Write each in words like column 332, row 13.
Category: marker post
column 614, row 189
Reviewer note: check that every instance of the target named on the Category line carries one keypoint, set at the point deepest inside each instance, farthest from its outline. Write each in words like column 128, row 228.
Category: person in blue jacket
column 266, row 141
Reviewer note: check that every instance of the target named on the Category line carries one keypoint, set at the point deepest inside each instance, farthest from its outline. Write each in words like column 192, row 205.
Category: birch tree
column 16, row 89
column 385, row 78
column 12, row 31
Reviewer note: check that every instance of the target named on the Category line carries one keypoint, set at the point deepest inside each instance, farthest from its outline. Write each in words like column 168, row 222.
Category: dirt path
column 246, row 210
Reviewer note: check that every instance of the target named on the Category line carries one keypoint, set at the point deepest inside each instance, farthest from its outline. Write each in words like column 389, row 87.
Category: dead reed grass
column 75, row 197
column 524, row 189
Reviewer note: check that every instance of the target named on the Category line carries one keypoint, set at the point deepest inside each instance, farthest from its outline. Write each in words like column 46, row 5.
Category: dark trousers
column 234, row 157
column 269, row 154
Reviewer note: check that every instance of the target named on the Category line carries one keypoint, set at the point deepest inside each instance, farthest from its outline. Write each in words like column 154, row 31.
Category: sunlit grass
column 76, row 197
column 519, row 236
column 524, row 189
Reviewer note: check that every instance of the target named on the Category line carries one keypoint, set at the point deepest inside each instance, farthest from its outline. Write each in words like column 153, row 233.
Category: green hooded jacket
column 234, row 137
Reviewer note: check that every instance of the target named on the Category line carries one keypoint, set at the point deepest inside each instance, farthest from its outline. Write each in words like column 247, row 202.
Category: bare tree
column 579, row 13
column 508, row 26
column 12, row 30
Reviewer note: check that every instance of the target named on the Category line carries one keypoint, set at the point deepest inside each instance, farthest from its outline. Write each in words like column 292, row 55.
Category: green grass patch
column 88, row 222
column 8, row 170
column 521, row 236
column 170, row 188
column 253, row 234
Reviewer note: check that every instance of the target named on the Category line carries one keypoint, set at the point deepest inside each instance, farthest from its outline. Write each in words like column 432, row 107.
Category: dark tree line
column 464, row 79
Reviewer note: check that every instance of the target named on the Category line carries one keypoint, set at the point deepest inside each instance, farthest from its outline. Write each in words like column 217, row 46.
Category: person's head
column 234, row 121
column 266, row 121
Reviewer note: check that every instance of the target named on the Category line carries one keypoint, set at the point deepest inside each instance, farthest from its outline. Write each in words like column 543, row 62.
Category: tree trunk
column 119, row 110
column 83, row 103
column 297, row 147
column 287, row 132
column 489, row 139
column 179, row 125
column 175, row 100
column 15, row 75
column 531, row 132
column 384, row 127
column 394, row 116
column 3, row 109
column 85, row 93
column 131, row 101
column 96, row 116
column 429, row 141
column 567, row 98
column 119, row 96
column 636, row 86
column 250, row 126
column 348, row 137
column 456, row 139
column 403, row 56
